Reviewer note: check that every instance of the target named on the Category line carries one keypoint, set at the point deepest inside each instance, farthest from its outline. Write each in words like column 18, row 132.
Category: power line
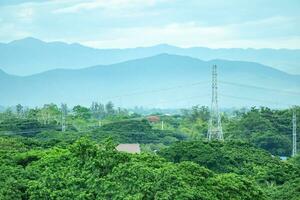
column 261, row 88
column 29, row 130
column 158, row 90
column 179, row 99
column 252, row 99
column 18, row 123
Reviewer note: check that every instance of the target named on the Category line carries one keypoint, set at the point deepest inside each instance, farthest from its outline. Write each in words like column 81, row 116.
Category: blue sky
column 132, row 23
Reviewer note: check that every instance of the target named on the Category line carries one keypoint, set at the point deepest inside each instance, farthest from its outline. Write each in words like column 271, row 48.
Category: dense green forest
column 40, row 161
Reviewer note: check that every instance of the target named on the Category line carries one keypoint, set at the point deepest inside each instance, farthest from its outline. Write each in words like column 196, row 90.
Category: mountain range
column 29, row 56
column 164, row 80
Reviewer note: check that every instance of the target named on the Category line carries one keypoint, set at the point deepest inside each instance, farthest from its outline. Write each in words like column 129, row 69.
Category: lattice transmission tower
column 215, row 131
column 294, row 152
column 64, row 112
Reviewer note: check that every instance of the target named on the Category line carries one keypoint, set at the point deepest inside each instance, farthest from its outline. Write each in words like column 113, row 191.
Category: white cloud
column 189, row 35
column 274, row 43
column 25, row 14
column 104, row 4
column 131, row 23
column 275, row 26
column 180, row 34
column 9, row 31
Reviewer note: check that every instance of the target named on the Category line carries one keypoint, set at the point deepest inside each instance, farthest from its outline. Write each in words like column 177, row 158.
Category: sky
column 133, row 23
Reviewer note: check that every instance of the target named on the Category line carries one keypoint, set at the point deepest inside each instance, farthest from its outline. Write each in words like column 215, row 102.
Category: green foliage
column 128, row 125
column 81, row 112
column 82, row 163
column 194, row 122
column 290, row 190
column 21, row 126
column 135, row 131
column 13, row 182
column 232, row 186
column 233, row 156
column 276, row 144
column 89, row 170
column 265, row 128
column 295, row 160
column 27, row 157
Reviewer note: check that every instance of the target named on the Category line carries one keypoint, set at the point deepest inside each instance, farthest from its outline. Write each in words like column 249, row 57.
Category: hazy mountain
column 30, row 55
column 166, row 81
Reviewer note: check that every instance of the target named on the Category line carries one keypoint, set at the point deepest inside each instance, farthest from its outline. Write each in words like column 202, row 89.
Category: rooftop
column 129, row 148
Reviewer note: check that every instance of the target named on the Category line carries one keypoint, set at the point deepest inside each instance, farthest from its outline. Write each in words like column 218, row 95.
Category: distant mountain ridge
column 29, row 56
column 162, row 81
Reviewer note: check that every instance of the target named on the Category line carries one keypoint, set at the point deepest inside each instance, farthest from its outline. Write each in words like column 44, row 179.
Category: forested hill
column 37, row 56
column 162, row 81
column 40, row 160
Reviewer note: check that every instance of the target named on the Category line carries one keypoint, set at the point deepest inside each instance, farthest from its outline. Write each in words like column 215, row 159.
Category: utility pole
column 294, row 152
column 162, row 125
column 215, row 131
column 64, row 112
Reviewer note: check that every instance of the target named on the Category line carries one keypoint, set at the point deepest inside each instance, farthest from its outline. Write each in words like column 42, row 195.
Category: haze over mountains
column 29, row 56
column 164, row 80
